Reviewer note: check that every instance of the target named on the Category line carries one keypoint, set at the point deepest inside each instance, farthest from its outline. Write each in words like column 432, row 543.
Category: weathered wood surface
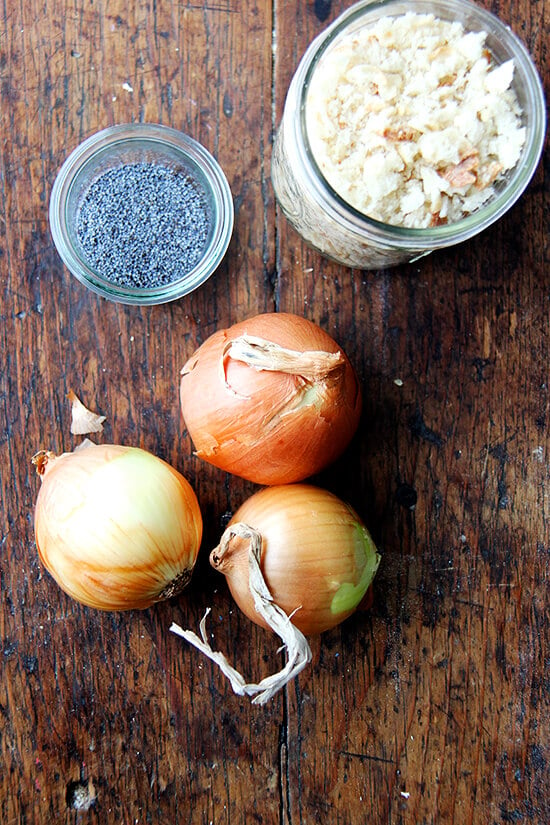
column 431, row 708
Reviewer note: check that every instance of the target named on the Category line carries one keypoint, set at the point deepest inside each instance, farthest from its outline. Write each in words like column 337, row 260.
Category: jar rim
column 155, row 137
column 444, row 234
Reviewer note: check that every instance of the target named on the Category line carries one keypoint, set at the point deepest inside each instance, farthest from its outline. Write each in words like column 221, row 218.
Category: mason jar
column 338, row 230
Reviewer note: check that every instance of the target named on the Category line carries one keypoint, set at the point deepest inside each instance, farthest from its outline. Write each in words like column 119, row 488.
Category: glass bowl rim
column 157, row 136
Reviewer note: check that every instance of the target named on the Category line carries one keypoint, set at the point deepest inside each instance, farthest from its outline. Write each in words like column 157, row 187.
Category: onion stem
column 41, row 459
column 297, row 646
column 312, row 365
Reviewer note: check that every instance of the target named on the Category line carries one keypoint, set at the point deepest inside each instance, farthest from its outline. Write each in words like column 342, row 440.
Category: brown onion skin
column 307, row 540
column 302, row 444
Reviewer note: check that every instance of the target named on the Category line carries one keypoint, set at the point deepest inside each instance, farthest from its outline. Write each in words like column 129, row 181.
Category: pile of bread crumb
column 410, row 121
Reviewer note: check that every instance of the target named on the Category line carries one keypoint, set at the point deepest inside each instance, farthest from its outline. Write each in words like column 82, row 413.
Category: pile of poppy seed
column 143, row 225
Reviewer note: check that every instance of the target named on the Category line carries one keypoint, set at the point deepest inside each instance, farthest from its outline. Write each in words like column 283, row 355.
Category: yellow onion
column 272, row 399
column 116, row 527
column 317, row 557
column 297, row 560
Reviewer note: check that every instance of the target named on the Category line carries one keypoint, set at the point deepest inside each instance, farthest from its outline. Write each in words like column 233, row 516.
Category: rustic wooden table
column 433, row 707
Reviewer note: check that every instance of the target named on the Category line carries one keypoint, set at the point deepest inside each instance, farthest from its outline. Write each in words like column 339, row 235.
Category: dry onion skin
column 117, row 527
column 298, row 560
column 273, row 399
column 83, row 420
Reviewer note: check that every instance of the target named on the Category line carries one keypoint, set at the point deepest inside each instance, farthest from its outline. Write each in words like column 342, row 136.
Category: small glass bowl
column 135, row 143
column 324, row 219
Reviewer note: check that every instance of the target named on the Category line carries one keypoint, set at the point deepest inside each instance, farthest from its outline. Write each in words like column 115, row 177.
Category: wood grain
column 432, row 708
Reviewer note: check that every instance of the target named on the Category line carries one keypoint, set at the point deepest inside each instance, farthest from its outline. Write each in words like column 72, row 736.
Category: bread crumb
column 411, row 122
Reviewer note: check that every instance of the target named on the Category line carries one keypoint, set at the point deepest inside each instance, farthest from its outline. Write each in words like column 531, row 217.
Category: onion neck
column 220, row 557
column 42, row 461
column 311, row 365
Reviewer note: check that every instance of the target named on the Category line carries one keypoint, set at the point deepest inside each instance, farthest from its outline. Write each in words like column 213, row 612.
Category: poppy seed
column 143, row 225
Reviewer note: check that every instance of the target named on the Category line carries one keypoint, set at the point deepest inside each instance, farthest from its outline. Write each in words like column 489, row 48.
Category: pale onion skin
column 116, row 527
column 312, row 544
column 233, row 427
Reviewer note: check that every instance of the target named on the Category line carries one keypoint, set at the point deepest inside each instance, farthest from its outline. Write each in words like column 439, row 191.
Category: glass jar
column 140, row 143
column 339, row 231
